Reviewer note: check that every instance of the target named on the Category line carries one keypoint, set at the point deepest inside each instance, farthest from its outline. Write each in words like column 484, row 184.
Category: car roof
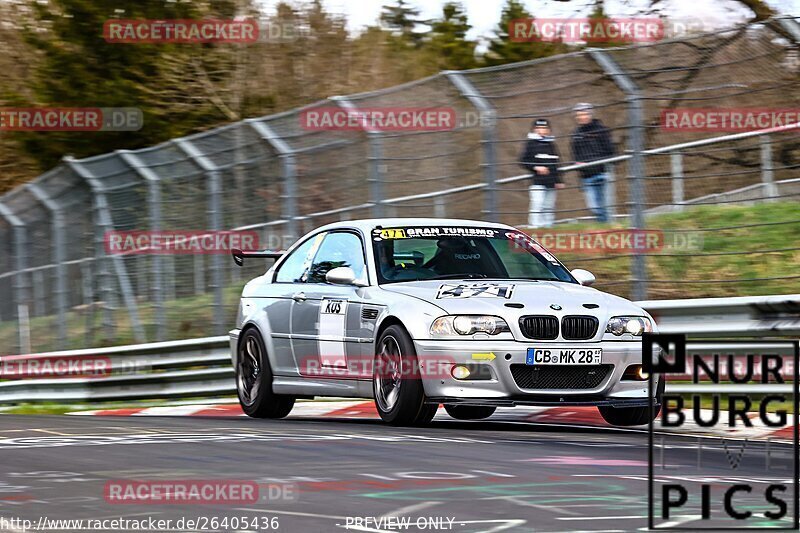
column 366, row 225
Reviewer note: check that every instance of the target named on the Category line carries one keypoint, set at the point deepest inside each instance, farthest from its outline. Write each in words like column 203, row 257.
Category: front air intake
column 560, row 377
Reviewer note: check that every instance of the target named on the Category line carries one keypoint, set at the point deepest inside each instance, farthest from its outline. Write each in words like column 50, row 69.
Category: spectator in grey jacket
column 591, row 141
column 540, row 158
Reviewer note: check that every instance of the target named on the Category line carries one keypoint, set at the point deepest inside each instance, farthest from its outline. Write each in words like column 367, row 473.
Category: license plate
column 564, row 356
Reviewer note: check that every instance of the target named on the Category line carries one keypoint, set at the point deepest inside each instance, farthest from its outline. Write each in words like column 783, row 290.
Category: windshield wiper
column 473, row 275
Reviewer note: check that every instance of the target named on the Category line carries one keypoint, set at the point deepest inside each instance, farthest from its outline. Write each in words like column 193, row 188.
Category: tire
column 469, row 412
column 396, row 385
column 254, row 380
column 632, row 416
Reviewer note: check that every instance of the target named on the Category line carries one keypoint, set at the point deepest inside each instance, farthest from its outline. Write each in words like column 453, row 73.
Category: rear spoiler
column 239, row 256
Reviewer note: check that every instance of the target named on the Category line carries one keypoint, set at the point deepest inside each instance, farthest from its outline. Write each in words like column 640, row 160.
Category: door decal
column 332, row 330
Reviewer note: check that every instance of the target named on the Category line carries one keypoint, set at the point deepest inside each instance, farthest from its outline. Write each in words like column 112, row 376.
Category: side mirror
column 584, row 277
column 341, row 276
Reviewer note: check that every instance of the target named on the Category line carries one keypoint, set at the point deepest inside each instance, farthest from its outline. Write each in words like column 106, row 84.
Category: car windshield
column 449, row 252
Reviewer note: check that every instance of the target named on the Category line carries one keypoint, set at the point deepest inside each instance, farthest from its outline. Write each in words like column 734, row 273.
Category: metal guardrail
column 744, row 316
column 202, row 368
column 194, row 367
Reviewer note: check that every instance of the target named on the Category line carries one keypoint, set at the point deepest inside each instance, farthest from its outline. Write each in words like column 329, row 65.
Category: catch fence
column 61, row 289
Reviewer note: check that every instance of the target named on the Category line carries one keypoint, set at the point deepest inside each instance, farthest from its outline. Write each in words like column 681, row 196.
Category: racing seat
column 456, row 256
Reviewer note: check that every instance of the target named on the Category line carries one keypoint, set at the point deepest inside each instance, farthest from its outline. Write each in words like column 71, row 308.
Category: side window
column 337, row 250
column 292, row 270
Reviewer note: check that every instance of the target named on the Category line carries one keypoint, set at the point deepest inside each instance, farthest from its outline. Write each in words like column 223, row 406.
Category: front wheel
column 254, row 380
column 469, row 412
column 396, row 384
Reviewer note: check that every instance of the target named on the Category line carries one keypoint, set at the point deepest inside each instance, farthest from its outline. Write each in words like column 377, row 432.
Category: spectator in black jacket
column 591, row 141
column 540, row 157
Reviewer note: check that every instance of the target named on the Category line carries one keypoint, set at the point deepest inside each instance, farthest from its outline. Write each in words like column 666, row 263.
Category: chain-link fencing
column 62, row 288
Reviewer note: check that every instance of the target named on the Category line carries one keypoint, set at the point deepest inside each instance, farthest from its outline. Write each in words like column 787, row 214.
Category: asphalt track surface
column 451, row 476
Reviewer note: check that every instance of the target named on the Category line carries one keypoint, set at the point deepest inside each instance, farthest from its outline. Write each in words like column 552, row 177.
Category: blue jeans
column 594, row 188
column 541, row 212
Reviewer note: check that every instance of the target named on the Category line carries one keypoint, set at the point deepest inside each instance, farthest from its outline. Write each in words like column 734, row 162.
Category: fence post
column 488, row 121
column 286, row 153
column 104, row 275
column 21, row 264
column 214, row 222
column 676, row 162
column 59, row 257
column 767, row 178
column 104, row 223
column 636, row 168
column 154, row 212
column 217, row 271
column 86, row 300
column 377, row 169
column 239, row 180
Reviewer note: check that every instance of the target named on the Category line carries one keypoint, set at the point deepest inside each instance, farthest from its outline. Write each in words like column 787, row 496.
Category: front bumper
column 540, row 400
column 503, row 390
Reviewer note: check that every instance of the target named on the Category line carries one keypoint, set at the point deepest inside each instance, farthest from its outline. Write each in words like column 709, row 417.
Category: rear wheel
column 633, row 416
column 396, row 384
column 254, row 380
column 469, row 412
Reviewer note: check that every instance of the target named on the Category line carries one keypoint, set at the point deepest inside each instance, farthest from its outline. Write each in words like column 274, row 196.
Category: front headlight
column 633, row 325
column 454, row 325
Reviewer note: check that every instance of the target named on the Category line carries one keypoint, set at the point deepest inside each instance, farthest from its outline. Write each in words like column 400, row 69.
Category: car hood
column 492, row 297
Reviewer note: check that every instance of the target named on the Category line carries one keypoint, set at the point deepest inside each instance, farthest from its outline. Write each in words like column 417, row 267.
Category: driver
column 386, row 259
column 404, row 266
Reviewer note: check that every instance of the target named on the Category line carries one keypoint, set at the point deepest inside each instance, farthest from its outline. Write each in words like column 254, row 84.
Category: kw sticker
column 487, row 290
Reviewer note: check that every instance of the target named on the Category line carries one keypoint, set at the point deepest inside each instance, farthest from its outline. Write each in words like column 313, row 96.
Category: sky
column 484, row 14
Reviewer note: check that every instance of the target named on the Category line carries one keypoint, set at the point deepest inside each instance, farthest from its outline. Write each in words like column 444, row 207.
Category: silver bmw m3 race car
column 418, row 312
